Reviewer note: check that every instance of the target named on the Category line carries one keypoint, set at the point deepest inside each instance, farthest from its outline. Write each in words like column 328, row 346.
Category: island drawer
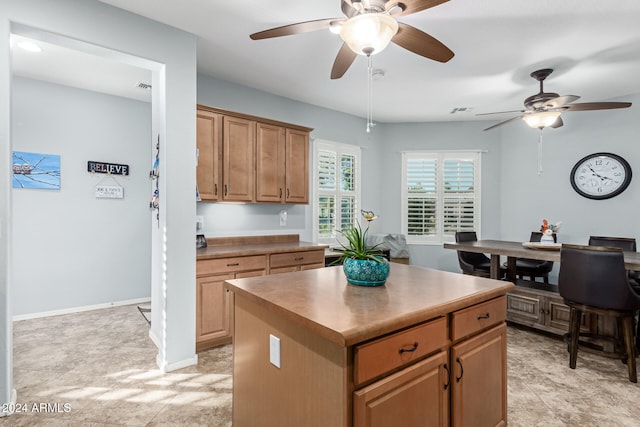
column 296, row 258
column 478, row 317
column 386, row 354
column 226, row 265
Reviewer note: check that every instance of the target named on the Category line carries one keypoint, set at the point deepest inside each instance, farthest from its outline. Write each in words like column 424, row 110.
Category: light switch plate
column 283, row 217
column 274, row 350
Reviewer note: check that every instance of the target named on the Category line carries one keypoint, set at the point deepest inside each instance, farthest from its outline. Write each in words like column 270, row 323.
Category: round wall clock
column 600, row 176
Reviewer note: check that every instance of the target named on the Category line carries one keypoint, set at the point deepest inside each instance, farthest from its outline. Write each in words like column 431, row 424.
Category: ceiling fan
column 544, row 108
column 367, row 28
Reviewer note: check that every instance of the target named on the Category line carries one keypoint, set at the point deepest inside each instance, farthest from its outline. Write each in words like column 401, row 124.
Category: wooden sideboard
column 227, row 258
column 427, row 348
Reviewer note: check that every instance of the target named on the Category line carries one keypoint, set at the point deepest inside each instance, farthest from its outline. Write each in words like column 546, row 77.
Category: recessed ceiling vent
column 461, row 110
column 144, row 86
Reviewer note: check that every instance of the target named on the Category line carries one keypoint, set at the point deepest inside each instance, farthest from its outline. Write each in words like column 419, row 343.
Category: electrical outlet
column 283, row 217
column 274, row 350
column 199, row 223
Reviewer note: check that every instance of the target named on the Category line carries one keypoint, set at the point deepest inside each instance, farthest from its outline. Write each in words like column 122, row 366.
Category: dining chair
column 593, row 279
column 533, row 268
column 627, row 244
column 473, row 263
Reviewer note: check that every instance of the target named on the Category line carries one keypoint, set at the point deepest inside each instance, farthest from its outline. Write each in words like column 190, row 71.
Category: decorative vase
column 547, row 238
column 366, row 272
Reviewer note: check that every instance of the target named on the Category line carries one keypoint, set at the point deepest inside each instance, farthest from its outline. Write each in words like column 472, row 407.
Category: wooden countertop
column 223, row 247
column 322, row 301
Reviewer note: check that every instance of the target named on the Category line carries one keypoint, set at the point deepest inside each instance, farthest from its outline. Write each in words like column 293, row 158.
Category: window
column 336, row 175
column 440, row 195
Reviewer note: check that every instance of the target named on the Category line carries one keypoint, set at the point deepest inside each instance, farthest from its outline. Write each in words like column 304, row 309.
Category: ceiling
column 593, row 46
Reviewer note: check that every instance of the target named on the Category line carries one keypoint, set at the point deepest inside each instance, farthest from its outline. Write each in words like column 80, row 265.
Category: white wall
column 529, row 197
column 87, row 251
column 171, row 55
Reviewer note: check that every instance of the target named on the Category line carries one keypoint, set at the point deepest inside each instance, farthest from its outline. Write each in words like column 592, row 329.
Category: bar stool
column 593, row 279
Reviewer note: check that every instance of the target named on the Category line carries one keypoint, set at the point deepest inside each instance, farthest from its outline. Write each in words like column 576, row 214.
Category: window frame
column 440, row 156
column 340, row 149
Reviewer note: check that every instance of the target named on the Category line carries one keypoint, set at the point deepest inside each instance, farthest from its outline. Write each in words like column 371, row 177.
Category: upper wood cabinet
column 297, row 166
column 282, row 165
column 238, row 169
column 251, row 159
column 209, row 137
column 270, row 163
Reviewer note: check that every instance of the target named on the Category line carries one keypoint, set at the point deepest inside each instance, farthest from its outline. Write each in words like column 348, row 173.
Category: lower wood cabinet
column 214, row 304
column 416, row 396
column 479, row 380
column 295, row 261
column 464, row 385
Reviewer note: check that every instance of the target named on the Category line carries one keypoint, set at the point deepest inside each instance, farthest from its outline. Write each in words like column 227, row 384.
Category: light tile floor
column 102, row 364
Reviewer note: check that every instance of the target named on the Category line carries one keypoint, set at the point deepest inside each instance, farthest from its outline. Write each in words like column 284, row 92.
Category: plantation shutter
column 440, row 195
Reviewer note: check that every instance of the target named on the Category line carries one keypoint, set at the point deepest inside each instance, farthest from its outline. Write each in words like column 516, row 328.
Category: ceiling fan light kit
column 369, row 33
column 541, row 120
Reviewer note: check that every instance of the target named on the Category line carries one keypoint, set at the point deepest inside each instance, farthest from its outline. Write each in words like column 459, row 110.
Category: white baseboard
column 168, row 367
column 79, row 309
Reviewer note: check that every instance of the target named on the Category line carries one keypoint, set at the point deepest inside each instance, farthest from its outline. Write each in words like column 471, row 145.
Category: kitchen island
column 427, row 348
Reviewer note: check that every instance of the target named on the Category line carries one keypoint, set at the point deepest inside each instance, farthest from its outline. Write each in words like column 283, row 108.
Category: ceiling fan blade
column 585, row 106
column 343, row 61
column 413, row 6
column 300, row 27
column 500, row 112
column 421, row 43
column 503, row 122
column 558, row 123
column 561, row 101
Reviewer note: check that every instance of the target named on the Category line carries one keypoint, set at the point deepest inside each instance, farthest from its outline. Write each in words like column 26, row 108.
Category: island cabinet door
column 479, row 380
column 416, row 396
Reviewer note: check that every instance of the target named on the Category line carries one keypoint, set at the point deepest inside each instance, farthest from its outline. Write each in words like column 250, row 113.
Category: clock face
column 601, row 176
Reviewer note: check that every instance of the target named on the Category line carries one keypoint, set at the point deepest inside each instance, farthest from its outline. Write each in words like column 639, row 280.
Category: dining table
column 514, row 250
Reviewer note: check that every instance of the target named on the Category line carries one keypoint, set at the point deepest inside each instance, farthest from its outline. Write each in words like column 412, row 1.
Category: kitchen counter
column 224, row 247
column 321, row 324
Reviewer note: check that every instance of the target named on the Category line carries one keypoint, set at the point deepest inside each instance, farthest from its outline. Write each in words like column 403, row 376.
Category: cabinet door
column 238, row 159
column 416, row 396
column 209, row 135
column 297, row 166
column 479, row 379
column 270, row 163
column 213, row 311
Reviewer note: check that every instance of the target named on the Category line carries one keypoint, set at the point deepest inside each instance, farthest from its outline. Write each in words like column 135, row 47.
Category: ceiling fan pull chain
column 369, row 94
column 540, row 152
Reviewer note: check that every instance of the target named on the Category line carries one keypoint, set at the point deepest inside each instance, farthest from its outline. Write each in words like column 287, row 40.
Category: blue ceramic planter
column 366, row 272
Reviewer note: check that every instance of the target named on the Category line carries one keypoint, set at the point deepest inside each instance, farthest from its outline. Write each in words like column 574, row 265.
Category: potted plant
column 362, row 265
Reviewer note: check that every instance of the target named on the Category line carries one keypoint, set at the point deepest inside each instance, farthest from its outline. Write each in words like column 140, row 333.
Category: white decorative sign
column 109, row 192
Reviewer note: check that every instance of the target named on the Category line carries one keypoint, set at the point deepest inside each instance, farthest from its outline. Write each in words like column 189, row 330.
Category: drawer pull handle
column 299, row 258
column 461, row 370
column 446, row 368
column 233, row 264
column 409, row 350
column 483, row 316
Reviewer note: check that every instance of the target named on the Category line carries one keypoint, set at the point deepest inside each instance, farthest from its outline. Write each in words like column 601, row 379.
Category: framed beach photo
column 36, row 170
